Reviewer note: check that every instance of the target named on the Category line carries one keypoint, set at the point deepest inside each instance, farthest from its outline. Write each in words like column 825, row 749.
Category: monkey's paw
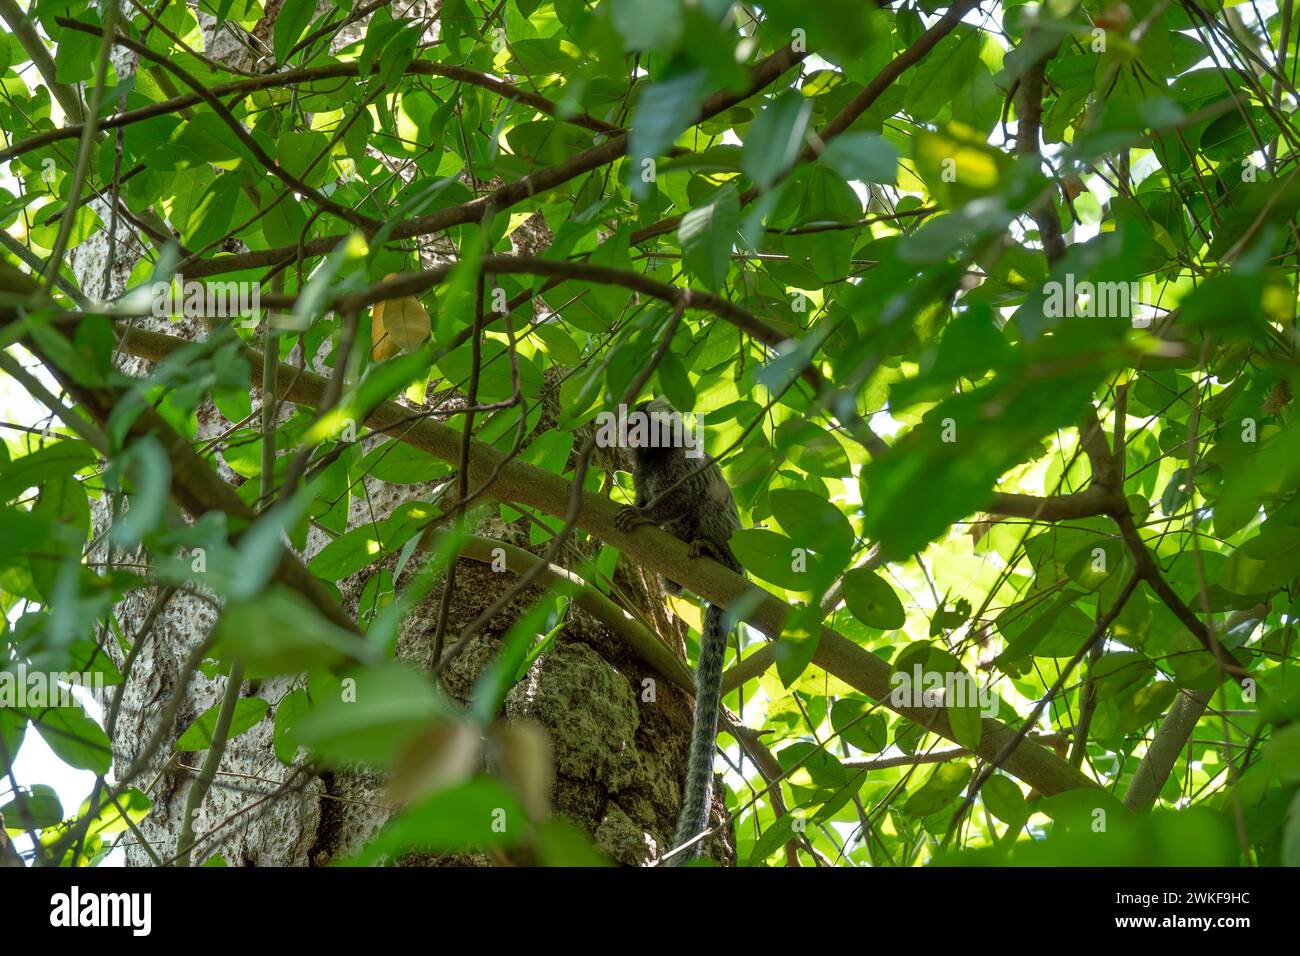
column 704, row 548
column 629, row 517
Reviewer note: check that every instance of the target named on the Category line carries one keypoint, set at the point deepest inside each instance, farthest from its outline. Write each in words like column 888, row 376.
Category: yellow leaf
column 397, row 324
column 686, row 610
column 517, row 219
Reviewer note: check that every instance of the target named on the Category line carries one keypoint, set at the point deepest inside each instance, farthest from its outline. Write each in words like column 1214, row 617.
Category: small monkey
column 687, row 496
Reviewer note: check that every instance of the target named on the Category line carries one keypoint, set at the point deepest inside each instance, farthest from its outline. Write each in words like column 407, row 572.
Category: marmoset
column 682, row 490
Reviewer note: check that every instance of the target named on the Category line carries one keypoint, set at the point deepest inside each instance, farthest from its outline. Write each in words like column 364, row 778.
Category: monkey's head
column 646, row 421
column 655, row 428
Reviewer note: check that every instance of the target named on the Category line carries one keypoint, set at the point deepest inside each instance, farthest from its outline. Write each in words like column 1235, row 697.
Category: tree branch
column 1029, row 118
column 211, row 762
column 1083, row 504
column 1162, row 753
column 1150, row 572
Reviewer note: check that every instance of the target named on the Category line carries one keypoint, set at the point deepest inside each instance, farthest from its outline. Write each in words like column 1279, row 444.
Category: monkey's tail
column 697, row 795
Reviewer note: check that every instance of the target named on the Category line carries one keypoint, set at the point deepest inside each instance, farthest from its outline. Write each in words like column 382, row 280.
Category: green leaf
column 498, row 676
column 812, row 448
column 863, row 156
column 707, row 235
column 771, row 556
column 402, row 464
column 800, row 636
column 350, row 552
column 368, row 716
column 214, row 215
column 648, row 24
column 1269, row 560
column 1291, row 834
column 280, row 632
column 1283, row 752
column 1119, row 671
column 54, row 461
column 967, row 724
column 559, row 344
column 944, row 784
column 148, row 465
column 1005, row 801
column 75, row 58
column 34, row 809
column 285, row 224
column 74, row 738
column 775, row 139
column 1082, row 807
column 65, row 506
column 872, row 601
column 380, row 31
column 675, row 383
column 297, row 153
column 663, row 110
column 294, row 17
column 496, row 382
column 13, row 728
column 550, row 451
column 935, row 80
column 813, row 523
column 208, row 139
column 842, row 29
column 777, row 835
column 560, row 843
column 1066, row 635
column 112, row 815
column 249, row 712
column 1097, row 563
column 860, row 723
column 478, row 814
